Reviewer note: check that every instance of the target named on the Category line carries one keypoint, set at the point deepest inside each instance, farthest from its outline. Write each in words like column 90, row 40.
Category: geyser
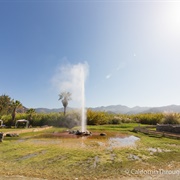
column 71, row 78
column 83, row 110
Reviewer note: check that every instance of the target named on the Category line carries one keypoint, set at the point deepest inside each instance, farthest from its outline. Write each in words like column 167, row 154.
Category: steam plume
column 69, row 78
column 72, row 78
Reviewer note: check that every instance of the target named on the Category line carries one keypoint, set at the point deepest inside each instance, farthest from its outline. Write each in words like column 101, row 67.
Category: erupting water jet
column 83, row 110
column 71, row 78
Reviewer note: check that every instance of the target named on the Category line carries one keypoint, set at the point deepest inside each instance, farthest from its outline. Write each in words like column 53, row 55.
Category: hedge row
column 93, row 118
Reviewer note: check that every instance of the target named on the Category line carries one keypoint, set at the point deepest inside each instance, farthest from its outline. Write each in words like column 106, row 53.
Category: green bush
column 50, row 119
column 97, row 118
column 149, row 118
column 121, row 119
column 171, row 118
column 73, row 118
column 115, row 120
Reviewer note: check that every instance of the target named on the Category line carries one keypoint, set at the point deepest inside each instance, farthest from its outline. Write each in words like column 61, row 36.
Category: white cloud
column 108, row 76
column 122, row 65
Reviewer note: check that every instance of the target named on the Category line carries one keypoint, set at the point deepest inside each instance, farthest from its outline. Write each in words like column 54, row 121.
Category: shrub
column 149, row 118
column 171, row 118
column 115, row 120
column 97, row 118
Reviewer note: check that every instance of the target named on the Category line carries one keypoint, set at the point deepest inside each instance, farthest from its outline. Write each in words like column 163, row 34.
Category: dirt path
column 27, row 130
column 18, row 178
column 146, row 177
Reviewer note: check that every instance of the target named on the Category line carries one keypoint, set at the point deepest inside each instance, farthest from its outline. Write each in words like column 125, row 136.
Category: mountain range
column 120, row 109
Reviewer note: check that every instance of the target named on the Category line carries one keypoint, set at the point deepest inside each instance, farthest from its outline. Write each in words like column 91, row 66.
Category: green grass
column 35, row 154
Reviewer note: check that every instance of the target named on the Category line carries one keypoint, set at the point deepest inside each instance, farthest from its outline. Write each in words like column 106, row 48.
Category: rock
column 103, row 134
column 12, row 135
column 78, row 132
column 87, row 133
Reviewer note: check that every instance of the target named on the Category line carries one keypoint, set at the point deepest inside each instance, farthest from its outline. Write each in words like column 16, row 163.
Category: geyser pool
column 122, row 141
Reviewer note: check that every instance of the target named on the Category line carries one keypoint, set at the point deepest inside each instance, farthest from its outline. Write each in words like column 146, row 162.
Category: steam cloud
column 69, row 78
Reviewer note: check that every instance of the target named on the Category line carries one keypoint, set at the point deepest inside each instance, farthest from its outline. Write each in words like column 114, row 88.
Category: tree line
column 10, row 107
column 12, row 110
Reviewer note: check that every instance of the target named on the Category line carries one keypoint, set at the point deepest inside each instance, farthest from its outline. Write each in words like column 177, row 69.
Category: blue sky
column 131, row 48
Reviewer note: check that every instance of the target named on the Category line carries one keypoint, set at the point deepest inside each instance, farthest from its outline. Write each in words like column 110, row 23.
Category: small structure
column 22, row 122
column 173, row 128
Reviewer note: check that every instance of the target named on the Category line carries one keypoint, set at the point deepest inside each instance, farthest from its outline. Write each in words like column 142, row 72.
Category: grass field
column 44, row 155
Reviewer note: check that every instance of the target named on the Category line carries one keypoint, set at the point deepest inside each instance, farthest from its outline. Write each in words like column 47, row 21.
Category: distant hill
column 135, row 110
column 120, row 109
column 170, row 108
column 46, row 110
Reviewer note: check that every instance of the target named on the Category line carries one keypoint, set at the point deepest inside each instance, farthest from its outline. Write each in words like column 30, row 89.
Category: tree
column 30, row 112
column 65, row 97
column 15, row 105
column 5, row 104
